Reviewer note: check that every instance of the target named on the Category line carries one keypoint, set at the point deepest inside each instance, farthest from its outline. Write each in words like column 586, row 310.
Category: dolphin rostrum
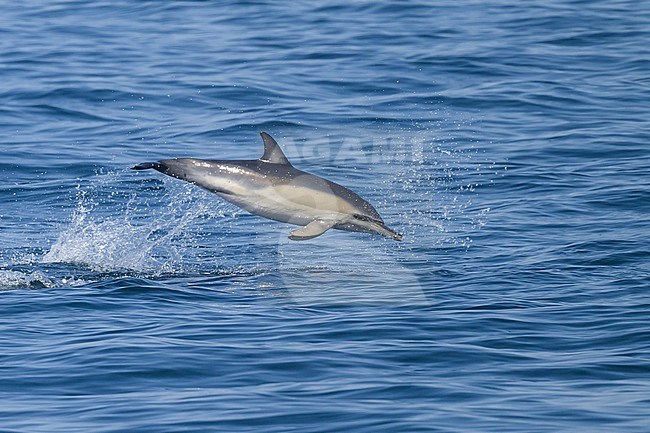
column 272, row 188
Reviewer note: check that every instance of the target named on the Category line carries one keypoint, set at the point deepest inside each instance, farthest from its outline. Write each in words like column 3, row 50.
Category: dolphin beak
column 386, row 231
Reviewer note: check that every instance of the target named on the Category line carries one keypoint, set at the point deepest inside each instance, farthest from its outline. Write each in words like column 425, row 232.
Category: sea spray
column 434, row 189
column 151, row 231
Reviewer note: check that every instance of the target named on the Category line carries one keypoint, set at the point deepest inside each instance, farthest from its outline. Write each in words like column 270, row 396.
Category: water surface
column 507, row 140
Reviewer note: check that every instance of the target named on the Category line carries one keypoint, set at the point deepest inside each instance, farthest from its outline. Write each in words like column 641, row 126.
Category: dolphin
column 272, row 188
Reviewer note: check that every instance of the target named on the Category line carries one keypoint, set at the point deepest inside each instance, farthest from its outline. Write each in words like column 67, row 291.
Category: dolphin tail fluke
column 147, row 166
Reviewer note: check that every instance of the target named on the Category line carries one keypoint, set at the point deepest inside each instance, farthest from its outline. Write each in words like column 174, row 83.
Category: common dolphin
column 272, row 188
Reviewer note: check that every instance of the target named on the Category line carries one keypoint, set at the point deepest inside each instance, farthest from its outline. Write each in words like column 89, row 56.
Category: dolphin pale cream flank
column 272, row 188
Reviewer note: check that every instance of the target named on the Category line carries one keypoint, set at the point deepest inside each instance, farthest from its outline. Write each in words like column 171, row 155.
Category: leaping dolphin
column 272, row 188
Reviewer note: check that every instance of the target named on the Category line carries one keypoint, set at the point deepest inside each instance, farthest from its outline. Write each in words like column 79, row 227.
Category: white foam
column 16, row 279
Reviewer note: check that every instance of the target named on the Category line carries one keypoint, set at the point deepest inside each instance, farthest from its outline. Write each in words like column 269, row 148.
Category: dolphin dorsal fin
column 272, row 151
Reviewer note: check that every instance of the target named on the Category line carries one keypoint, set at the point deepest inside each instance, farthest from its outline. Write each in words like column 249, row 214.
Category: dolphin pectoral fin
column 311, row 230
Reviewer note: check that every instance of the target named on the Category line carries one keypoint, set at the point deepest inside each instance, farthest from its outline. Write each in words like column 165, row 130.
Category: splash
column 146, row 232
column 18, row 280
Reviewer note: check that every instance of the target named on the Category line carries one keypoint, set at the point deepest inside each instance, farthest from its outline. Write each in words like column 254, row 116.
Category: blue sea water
column 508, row 141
